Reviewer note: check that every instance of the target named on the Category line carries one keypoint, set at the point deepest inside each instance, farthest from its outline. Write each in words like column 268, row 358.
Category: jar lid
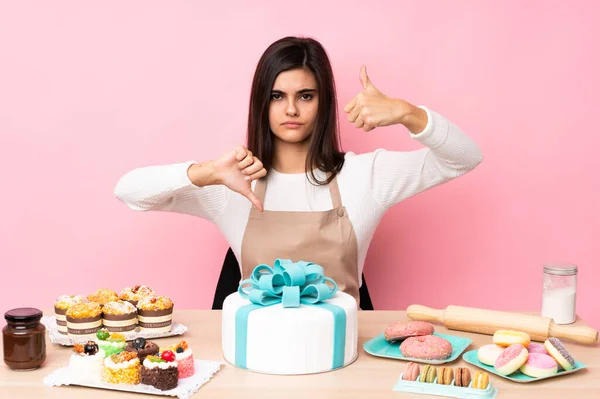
column 23, row 315
column 560, row 269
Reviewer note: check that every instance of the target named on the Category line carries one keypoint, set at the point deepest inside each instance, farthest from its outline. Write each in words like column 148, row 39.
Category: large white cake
column 291, row 340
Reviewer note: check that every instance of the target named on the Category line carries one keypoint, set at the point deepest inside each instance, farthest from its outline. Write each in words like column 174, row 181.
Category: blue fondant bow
column 289, row 283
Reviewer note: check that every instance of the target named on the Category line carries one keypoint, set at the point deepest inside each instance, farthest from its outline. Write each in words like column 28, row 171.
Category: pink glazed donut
column 539, row 365
column 428, row 347
column 537, row 348
column 402, row 330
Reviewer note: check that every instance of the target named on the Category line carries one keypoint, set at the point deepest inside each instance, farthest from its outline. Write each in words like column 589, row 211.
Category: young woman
column 291, row 192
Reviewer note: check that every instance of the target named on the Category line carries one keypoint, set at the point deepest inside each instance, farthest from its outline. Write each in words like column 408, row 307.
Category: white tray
column 62, row 339
column 204, row 370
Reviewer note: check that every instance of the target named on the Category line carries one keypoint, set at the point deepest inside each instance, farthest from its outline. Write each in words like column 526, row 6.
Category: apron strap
column 259, row 190
column 334, row 190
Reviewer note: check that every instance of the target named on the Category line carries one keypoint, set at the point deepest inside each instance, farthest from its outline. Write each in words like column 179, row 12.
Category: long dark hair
column 283, row 55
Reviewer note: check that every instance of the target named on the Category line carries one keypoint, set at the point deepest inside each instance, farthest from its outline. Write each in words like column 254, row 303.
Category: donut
column 511, row 359
column 558, row 351
column 539, row 365
column 506, row 338
column 429, row 347
column 537, row 348
column 411, row 372
column 402, row 330
column 488, row 354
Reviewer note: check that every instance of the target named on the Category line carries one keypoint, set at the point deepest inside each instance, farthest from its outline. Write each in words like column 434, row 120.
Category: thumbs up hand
column 371, row 108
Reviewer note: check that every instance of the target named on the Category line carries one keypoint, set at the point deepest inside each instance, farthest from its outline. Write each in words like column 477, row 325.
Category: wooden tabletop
column 367, row 377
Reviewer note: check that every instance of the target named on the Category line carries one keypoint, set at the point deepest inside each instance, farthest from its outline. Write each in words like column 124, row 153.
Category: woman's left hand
column 371, row 108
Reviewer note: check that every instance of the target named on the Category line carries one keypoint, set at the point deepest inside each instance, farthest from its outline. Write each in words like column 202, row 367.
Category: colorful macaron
column 411, row 372
column 462, row 377
column 558, row 351
column 511, row 359
column 428, row 375
column 481, row 380
column 445, row 375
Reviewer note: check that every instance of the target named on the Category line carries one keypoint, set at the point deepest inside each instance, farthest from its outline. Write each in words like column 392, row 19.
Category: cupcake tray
column 62, row 339
column 204, row 370
column 452, row 391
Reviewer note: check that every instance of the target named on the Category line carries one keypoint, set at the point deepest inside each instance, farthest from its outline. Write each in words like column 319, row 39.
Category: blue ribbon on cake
column 289, row 284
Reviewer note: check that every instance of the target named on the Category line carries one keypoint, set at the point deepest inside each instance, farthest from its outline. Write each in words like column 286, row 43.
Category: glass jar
column 24, row 339
column 560, row 292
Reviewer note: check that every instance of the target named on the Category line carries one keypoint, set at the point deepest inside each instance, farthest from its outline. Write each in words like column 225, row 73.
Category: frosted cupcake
column 185, row 359
column 119, row 316
column 85, row 364
column 61, row 305
column 83, row 321
column 103, row 296
column 160, row 372
column 135, row 293
column 123, row 368
column 155, row 313
column 111, row 343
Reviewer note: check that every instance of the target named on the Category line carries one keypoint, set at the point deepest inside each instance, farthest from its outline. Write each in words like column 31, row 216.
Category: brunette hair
column 284, row 55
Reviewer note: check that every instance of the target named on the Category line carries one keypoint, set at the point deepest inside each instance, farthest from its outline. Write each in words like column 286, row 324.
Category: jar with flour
column 560, row 292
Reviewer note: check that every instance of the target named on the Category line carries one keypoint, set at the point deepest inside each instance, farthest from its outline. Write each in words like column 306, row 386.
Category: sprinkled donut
column 428, row 347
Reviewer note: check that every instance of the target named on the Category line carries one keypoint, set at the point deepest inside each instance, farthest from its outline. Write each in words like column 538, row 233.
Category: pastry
column 511, row 359
column 429, row 347
column 155, row 313
column 445, row 375
column 402, row 330
column 123, row 368
column 135, row 293
column 185, row 359
column 110, row 343
column 160, row 372
column 83, row 321
column 507, row 338
column 428, row 375
column 488, row 354
column 537, row 348
column 61, row 305
column 481, row 379
column 558, row 351
column 103, row 295
column 85, row 364
column 119, row 316
column 539, row 365
column 462, row 377
column 411, row 372
column 142, row 347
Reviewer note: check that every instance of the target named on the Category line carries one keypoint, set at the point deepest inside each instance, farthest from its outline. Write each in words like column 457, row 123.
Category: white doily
column 62, row 339
column 204, row 370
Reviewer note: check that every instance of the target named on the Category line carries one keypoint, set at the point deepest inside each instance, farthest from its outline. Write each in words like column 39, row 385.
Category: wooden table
column 368, row 377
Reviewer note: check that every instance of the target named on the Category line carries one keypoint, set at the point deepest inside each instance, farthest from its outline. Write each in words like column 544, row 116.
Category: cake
column 110, row 343
column 142, row 347
column 123, row 368
column 103, row 296
column 160, row 372
column 155, row 313
column 61, row 305
column 85, row 364
column 119, row 316
column 185, row 359
column 84, row 320
column 312, row 328
column 135, row 293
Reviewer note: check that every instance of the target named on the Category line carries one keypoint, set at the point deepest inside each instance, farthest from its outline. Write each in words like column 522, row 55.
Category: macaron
column 481, row 380
column 445, row 375
column 488, row 354
column 402, row 330
column 507, row 338
column 558, row 351
column 539, row 365
column 428, row 347
column 428, row 375
column 462, row 377
column 511, row 359
column 537, row 348
column 411, row 372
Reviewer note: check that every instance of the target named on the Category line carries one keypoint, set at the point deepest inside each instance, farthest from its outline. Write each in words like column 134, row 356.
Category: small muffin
column 103, row 295
column 86, row 362
column 110, row 343
column 123, row 368
column 155, row 313
column 185, row 359
column 61, row 305
column 84, row 320
column 142, row 347
column 160, row 371
column 135, row 293
column 120, row 316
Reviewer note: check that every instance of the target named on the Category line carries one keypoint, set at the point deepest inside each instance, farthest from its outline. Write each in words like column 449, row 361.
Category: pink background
column 90, row 92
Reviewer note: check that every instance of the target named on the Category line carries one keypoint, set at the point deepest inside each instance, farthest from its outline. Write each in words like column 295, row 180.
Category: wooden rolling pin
column 485, row 321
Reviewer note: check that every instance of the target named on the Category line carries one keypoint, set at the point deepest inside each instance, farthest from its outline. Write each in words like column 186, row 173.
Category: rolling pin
column 484, row 321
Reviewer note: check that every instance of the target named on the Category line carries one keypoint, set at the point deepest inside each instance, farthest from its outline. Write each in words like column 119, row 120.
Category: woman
column 292, row 193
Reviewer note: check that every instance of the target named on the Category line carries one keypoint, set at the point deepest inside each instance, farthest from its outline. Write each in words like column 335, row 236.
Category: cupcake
column 185, row 359
column 61, row 305
column 155, row 313
column 111, row 343
column 103, row 295
column 142, row 347
column 160, row 372
column 86, row 362
column 123, row 368
column 135, row 293
column 84, row 320
column 120, row 316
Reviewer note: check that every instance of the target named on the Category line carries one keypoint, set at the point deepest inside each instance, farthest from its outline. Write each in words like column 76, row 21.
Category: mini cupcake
column 111, row 343
column 135, row 293
column 86, row 362
column 160, row 372
column 61, row 305
column 103, row 296
column 142, row 347
column 123, row 368
column 185, row 359
column 84, row 320
column 155, row 313
column 120, row 316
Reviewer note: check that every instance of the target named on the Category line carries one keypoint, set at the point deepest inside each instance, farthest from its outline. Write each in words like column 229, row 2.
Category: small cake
column 111, row 343
column 103, row 296
column 123, row 368
column 142, row 347
column 185, row 359
column 155, row 313
column 119, row 316
column 84, row 320
column 135, row 293
column 61, row 305
column 160, row 372
column 86, row 362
